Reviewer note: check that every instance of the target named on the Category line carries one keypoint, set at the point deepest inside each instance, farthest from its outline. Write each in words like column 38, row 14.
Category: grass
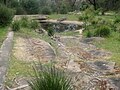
column 16, row 69
column 50, row 78
column 71, row 17
column 112, row 44
column 26, row 32
column 3, row 33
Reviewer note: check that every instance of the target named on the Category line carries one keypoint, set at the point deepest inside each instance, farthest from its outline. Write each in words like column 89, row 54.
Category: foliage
column 94, row 21
column 34, row 24
column 83, row 17
column 50, row 78
column 51, row 32
column 63, row 9
column 89, row 34
column 46, row 10
column 30, row 6
column 103, row 31
column 20, row 11
column 88, row 14
column 24, row 22
column 16, row 26
column 3, row 33
column 6, row 15
column 117, row 20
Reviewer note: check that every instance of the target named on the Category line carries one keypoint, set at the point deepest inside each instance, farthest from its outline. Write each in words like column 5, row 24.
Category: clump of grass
column 3, row 33
column 34, row 24
column 24, row 22
column 50, row 78
column 103, row 31
column 16, row 26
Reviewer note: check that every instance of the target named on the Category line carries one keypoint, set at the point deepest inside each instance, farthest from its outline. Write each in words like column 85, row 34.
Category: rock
column 104, row 67
column 62, row 19
column 33, row 50
column 42, row 18
column 116, row 82
column 73, row 66
column 92, row 39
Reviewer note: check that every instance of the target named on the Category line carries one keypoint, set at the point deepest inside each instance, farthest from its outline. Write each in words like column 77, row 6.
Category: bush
column 34, row 24
column 46, row 10
column 51, row 32
column 6, row 15
column 117, row 20
column 63, row 9
column 94, row 21
column 83, row 17
column 30, row 6
column 103, row 31
column 16, row 26
column 20, row 11
column 50, row 78
column 89, row 34
column 24, row 22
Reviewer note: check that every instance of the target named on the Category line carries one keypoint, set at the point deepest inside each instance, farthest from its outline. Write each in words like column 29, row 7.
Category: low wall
column 4, row 57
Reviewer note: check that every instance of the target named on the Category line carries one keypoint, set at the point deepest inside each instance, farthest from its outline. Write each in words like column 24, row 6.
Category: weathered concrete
column 4, row 57
column 63, row 22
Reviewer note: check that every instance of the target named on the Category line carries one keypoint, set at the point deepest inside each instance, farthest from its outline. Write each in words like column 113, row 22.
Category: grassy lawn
column 3, row 33
column 69, row 17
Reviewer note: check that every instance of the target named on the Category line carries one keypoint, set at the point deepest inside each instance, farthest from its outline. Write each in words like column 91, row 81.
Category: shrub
column 30, row 6
column 83, row 17
column 6, row 15
column 89, row 34
column 24, row 22
column 50, row 78
column 117, row 20
column 46, row 10
column 63, row 9
column 94, row 21
column 20, row 11
column 16, row 26
column 103, row 31
column 51, row 32
column 34, row 24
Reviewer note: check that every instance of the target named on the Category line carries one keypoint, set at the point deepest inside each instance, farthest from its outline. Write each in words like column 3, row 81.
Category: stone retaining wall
column 4, row 57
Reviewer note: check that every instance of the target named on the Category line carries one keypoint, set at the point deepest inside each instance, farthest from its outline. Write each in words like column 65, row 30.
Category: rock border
column 5, row 51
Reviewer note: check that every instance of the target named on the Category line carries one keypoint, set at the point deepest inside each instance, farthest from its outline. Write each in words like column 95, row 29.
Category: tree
column 105, row 4
column 94, row 3
column 30, row 6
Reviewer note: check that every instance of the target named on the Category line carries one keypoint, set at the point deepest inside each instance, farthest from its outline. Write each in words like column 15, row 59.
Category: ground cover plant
column 50, row 78
column 3, row 33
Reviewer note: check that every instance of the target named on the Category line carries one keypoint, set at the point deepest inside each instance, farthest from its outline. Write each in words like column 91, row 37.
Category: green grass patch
column 108, row 17
column 18, row 68
column 112, row 44
column 68, row 16
column 30, row 33
column 3, row 33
